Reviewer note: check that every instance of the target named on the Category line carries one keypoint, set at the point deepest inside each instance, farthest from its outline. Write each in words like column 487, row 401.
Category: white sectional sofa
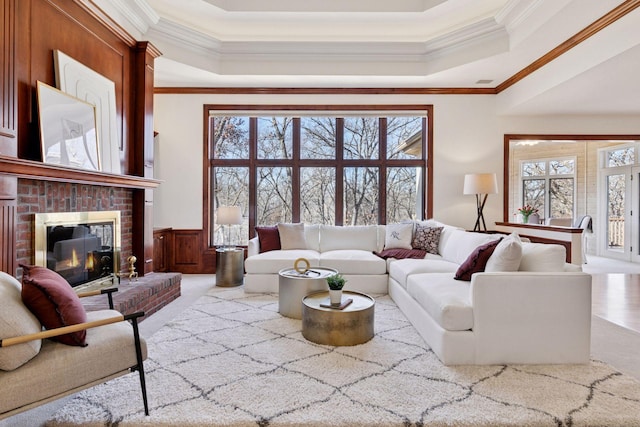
column 540, row 313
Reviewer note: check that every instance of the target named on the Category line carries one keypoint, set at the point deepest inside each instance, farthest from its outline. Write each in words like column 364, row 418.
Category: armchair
column 114, row 348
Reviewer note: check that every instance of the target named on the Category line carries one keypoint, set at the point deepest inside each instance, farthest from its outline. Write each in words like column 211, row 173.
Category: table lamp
column 228, row 215
column 480, row 184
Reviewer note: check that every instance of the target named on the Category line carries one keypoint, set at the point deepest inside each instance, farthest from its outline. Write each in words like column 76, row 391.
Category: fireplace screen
column 84, row 247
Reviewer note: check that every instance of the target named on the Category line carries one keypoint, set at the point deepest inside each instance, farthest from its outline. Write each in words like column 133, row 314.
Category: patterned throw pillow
column 427, row 238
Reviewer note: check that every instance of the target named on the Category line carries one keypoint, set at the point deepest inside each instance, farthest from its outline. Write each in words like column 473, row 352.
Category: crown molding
column 138, row 12
column 177, row 40
column 324, row 5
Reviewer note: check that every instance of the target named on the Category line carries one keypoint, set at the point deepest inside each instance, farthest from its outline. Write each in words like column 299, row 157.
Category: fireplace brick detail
column 36, row 196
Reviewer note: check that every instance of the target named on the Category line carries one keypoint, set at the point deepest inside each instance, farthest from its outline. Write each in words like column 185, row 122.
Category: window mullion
column 339, row 213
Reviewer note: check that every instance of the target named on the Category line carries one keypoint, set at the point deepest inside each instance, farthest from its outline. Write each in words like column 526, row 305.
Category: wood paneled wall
column 31, row 30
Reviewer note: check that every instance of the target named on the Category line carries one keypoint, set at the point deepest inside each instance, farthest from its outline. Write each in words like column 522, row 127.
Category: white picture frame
column 68, row 131
column 82, row 82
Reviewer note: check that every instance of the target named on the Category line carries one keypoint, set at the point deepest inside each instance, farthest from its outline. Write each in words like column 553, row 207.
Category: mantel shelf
column 38, row 170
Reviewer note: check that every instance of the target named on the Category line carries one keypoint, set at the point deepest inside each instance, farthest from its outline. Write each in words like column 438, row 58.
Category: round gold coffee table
column 350, row 326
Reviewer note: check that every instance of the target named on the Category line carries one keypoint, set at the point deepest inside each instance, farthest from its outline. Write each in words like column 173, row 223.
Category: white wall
column 468, row 138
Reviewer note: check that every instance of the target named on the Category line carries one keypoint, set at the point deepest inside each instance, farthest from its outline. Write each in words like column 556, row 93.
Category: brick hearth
column 149, row 294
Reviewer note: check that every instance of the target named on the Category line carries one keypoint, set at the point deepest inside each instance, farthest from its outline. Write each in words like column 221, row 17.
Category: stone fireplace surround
column 149, row 294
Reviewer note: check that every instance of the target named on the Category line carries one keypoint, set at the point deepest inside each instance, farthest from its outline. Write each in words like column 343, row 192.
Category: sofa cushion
column 459, row 244
column 268, row 238
column 507, row 255
column 16, row 320
column 312, row 236
column 427, row 238
column 398, row 236
column 53, row 301
column 476, row 262
column 542, row 257
column 335, row 237
column 400, row 270
column 445, row 299
column 292, row 236
column 274, row 261
column 353, row 262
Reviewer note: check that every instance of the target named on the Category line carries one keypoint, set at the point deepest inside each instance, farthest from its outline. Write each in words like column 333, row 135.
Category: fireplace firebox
column 83, row 247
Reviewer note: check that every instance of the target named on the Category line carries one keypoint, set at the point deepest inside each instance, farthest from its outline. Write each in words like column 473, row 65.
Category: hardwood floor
column 616, row 298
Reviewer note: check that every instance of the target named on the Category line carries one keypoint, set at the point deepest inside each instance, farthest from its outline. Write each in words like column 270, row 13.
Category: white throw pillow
column 398, row 236
column 292, row 236
column 507, row 255
column 542, row 257
column 15, row 320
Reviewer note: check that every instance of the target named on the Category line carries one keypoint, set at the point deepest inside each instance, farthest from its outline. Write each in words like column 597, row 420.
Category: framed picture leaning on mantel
column 76, row 79
column 68, row 132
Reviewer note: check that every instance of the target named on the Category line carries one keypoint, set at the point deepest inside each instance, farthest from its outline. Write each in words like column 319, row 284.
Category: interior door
column 634, row 215
column 616, row 232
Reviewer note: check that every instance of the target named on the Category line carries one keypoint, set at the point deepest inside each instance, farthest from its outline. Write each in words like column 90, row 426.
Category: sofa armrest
column 532, row 317
column 253, row 247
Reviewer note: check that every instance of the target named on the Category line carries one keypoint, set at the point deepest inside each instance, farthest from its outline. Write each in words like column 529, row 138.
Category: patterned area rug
column 232, row 360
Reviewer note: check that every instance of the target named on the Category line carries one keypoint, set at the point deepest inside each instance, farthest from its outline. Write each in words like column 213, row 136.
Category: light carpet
column 232, row 360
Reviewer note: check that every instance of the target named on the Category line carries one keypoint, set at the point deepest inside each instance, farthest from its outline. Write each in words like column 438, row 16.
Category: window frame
column 254, row 111
column 547, row 177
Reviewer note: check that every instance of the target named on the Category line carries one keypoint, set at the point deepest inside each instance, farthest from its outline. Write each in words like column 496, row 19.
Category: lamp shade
column 229, row 215
column 480, row 183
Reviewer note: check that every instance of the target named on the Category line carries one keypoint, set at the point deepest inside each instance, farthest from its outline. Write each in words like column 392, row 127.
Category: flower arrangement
column 527, row 210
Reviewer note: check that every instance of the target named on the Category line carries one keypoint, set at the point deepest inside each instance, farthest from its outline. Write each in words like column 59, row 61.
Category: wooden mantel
column 37, row 170
column 569, row 237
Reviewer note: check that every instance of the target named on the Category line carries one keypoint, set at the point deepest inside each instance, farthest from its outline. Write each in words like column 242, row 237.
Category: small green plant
column 336, row 282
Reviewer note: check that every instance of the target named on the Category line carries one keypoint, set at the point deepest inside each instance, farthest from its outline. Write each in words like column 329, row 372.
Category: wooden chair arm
column 108, row 291
column 67, row 329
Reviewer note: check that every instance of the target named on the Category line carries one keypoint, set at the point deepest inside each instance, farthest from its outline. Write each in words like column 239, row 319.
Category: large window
column 317, row 167
column 549, row 186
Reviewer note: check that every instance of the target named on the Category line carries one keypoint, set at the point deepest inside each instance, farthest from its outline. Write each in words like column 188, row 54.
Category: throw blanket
column 401, row 253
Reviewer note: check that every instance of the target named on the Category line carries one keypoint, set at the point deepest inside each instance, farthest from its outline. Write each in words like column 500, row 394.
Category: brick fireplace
column 35, row 196
column 149, row 294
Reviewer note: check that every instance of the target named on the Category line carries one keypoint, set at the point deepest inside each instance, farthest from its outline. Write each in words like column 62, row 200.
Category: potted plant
column 336, row 282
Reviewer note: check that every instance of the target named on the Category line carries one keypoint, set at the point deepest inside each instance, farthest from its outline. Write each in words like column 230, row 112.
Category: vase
column 335, row 296
column 525, row 219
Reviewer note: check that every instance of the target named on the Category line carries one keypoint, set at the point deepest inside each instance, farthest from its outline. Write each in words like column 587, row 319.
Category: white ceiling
column 396, row 44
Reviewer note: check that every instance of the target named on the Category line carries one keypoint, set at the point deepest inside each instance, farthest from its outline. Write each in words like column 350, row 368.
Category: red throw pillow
column 398, row 253
column 269, row 238
column 476, row 262
column 52, row 300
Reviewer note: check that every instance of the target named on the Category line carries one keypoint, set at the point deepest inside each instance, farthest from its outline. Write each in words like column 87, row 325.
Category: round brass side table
column 229, row 267
column 351, row 326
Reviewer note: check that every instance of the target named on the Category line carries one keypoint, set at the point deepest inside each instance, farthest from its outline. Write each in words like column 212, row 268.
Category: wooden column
column 141, row 154
column 8, row 134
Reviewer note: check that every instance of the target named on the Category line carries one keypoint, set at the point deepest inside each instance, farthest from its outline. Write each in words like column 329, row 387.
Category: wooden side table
column 351, row 326
column 229, row 267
